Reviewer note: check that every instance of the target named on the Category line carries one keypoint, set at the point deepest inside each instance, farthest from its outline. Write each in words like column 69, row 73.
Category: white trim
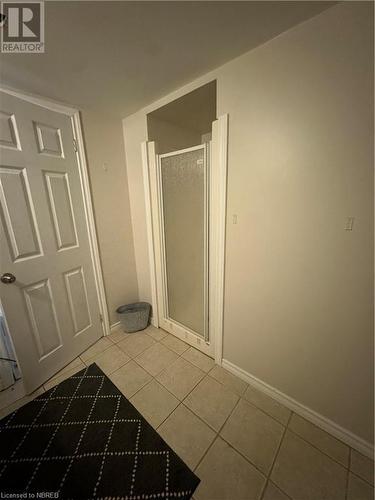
column 206, row 231
column 40, row 101
column 89, row 212
column 115, row 326
column 165, row 321
column 324, row 423
column 164, row 317
column 83, row 172
column 146, row 155
column 182, row 151
column 219, row 162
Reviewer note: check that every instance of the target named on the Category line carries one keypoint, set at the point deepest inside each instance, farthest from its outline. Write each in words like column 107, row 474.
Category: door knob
column 8, row 278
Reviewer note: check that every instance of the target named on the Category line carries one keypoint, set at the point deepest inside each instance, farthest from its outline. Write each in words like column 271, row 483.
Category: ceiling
column 119, row 56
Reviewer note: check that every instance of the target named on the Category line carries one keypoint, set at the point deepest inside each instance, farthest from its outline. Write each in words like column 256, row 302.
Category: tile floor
column 241, row 443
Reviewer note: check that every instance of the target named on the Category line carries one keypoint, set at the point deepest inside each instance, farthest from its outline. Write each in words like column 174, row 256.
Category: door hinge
column 101, row 318
column 75, row 145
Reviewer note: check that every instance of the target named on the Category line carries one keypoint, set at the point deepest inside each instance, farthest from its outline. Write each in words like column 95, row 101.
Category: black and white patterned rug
column 84, row 439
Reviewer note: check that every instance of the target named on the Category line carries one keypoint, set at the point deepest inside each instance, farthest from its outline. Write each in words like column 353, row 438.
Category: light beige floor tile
column 154, row 402
column 359, row 489
column 136, row 343
column 118, row 335
column 110, row 360
column 273, row 493
column 305, row 473
column 228, row 379
column 362, row 466
column 59, row 378
column 267, row 404
column 212, row 402
column 321, row 439
column 226, row 475
column 156, row 358
column 76, row 362
column 156, row 333
column 20, row 402
column 180, row 378
column 254, row 434
column 187, row 435
column 175, row 344
column 130, row 378
column 199, row 359
column 100, row 346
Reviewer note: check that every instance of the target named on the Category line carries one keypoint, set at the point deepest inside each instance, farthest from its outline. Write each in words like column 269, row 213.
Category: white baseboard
column 115, row 326
column 324, row 423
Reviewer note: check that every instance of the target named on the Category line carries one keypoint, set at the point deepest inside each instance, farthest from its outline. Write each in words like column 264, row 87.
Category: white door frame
column 218, row 194
column 75, row 118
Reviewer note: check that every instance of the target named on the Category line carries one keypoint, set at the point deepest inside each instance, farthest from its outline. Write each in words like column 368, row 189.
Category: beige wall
column 170, row 137
column 108, row 179
column 135, row 132
column 298, row 287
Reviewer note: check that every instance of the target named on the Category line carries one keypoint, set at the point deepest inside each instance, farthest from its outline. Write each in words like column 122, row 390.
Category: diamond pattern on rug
column 84, row 439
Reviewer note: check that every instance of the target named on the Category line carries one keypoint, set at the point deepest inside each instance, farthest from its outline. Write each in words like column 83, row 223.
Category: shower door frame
column 216, row 253
column 167, row 322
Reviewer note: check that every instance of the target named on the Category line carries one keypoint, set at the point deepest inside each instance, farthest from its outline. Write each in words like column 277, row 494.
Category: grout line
column 153, row 377
column 205, row 374
column 361, row 478
column 275, row 456
column 217, row 435
column 136, row 392
column 164, row 369
column 200, row 418
column 240, row 396
column 277, row 487
column 91, row 358
column 217, row 432
column 244, row 457
column 347, row 476
column 346, row 467
column 208, row 448
column 266, row 413
column 169, row 414
column 166, row 388
column 205, row 453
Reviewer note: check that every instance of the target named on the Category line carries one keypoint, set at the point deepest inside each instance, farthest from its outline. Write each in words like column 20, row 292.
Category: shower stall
column 184, row 189
column 185, row 193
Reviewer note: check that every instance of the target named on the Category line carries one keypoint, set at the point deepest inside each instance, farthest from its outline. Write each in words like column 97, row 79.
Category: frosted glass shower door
column 184, row 214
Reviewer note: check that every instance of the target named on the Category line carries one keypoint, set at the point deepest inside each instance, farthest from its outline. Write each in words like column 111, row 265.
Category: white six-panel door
column 52, row 307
